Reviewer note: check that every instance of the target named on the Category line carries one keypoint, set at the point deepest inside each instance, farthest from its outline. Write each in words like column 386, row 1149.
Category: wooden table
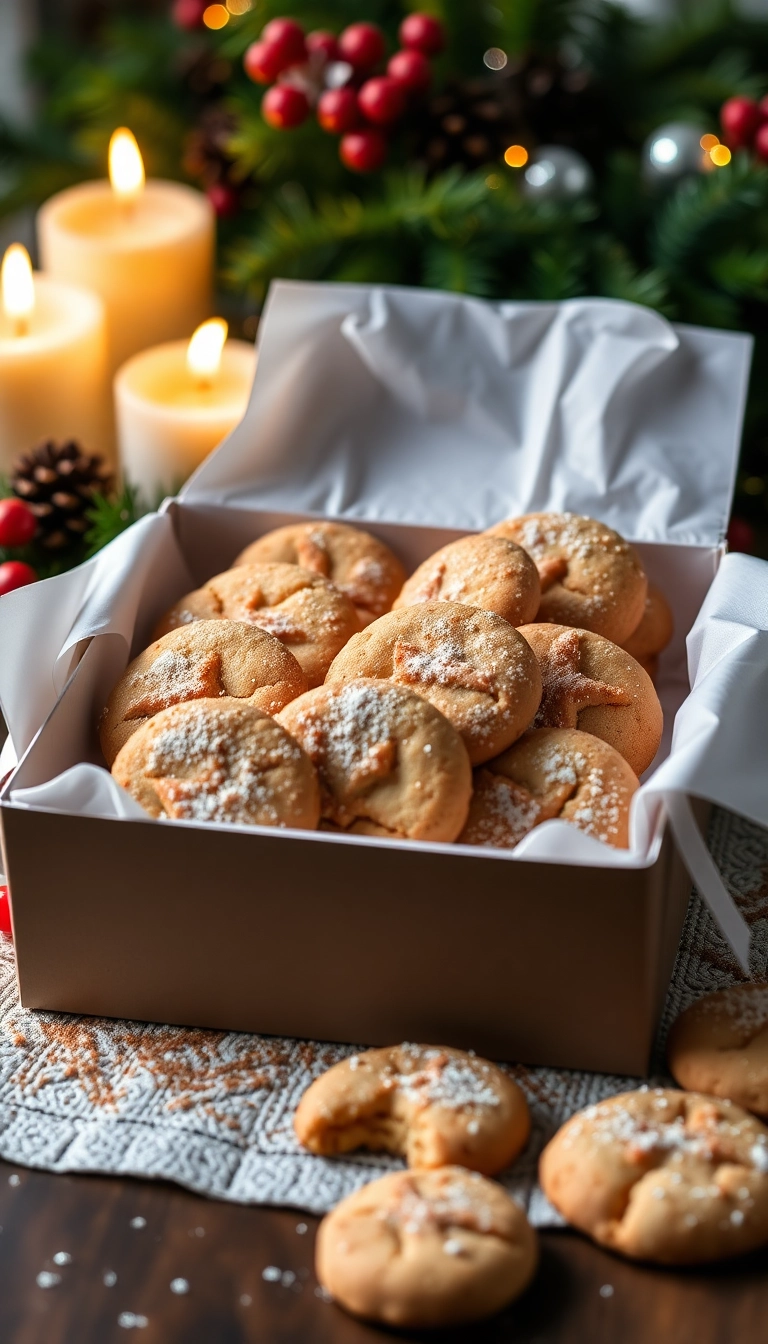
column 581, row 1294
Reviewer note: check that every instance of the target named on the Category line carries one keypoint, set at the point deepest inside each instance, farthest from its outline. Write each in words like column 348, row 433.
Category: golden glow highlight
column 205, row 348
column 720, row 155
column 516, row 156
column 216, row 16
column 708, row 142
column 18, row 287
column 126, row 166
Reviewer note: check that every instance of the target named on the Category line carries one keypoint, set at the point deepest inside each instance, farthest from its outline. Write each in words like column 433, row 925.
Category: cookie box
column 423, row 417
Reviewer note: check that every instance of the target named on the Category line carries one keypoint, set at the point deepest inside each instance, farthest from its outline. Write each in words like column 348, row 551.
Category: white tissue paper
column 408, row 407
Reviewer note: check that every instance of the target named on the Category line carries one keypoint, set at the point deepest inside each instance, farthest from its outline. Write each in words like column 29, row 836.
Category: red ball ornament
column 263, row 63
column 18, row 524
column 5, row 913
column 741, row 535
column 382, row 100
column 287, row 39
column 761, row 142
column 15, row 574
column 740, row 118
column 363, row 151
column 223, row 198
column 423, row 32
column 338, row 110
column 362, row 45
column 411, row 69
column 284, row 106
column 188, row 14
column 323, row 43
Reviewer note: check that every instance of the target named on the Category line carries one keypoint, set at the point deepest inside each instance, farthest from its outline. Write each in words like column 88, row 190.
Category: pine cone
column 58, row 482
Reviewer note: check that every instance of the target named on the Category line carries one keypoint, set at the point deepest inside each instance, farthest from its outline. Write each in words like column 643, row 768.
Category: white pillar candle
column 175, row 403
column 146, row 248
column 54, row 381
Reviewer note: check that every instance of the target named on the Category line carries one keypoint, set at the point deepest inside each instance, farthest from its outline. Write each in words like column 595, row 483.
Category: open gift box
column 424, row 416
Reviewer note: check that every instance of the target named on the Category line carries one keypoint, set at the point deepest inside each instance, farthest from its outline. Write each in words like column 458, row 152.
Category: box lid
column 414, row 406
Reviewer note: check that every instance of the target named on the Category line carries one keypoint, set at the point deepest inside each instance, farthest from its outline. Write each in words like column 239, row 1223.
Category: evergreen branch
column 109, row 515
column 706, row 210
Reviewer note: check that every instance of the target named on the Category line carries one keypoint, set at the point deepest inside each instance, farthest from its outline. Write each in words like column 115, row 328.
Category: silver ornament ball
column 557, row 174
column 673, row 151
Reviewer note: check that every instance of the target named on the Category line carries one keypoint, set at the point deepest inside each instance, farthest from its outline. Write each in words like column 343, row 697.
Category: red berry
column 741, row 535
column 362, row 45
column 223, row 198
column 761, row 142
column 322, row 43
column 422, row 32
column 189, row 13
column 382, row 100
column 263, row 63
column 739, row 118
column 287, row 38
column 15, row 574
column 284, row 106
column 338, row 110
column 5, row 913
column 411, row 69
column 17, row 523
column 363, row 151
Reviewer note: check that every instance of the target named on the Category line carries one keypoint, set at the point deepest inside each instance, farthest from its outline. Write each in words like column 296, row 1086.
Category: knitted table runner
column 213, row 1110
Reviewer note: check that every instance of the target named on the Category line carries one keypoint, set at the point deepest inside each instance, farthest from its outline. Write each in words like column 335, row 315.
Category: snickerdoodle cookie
column 549, row 773
column 200, row 661
column 431, row 1105
column 304, row 611
column 674, row 1177
column 487, row 572
column 472, row 665
column 720, row 1045
column 219, row 760
column 426, row 1248
column 357, row 563
column 654, row 632
column 592, row 684
column 389, row 763
column 590, row 576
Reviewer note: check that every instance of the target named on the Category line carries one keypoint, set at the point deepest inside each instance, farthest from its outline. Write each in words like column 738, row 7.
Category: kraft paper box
column 422, row 416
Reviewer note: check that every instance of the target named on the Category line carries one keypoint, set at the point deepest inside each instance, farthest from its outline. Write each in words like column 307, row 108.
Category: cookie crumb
column 130, row 1321
column 109, row 1279
column 138, row 1223
column 301, row 1229
column 46, row 1279
column 606, row 1290
column 62, row 1258
column 179, row 1286
column 271, row 1274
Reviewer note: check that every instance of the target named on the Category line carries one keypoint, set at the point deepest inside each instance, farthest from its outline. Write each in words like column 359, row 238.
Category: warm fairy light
column 516, row 156
column 18, row 287
column 126, row 166
column 708, row 142
column 720, row 155
column 216, row 16
column 495, row 58
column 204, row 349
column 239, row 6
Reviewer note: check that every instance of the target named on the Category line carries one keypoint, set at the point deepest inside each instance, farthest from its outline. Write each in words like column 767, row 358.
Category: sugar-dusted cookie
column 654, row 632
column 720, row 1045
column 472, row 665
column 200, row 661
column 590, row 576
column 219, row 760
column 431, row 1105
column 487, row 572
column 592, row 684
column 357, row 563
column 389, row 763
column 426, row 1248
column 304, row 611
column 678, row 1178
column 551, row 772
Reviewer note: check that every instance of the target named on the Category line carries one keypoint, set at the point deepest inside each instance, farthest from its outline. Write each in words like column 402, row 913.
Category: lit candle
column 146, row 247
column 175, row 403
column 53, row 362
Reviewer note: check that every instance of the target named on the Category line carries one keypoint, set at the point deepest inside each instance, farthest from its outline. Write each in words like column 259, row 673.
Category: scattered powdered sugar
column 745, row 1005
column 357, row 733
column 62, row 1258
column 175, row 676
column 452, row 1247
column 129, row 1320
column 179, row 1286
column 452, row 1204
column 502, row 812
column 759, row 1157
column 46, row 1279
column 440, row 662
column 440, row 1079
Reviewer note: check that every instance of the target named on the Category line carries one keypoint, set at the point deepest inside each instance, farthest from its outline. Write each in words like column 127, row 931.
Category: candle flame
column 126, row 166
column 205, row 347
column 18, row 286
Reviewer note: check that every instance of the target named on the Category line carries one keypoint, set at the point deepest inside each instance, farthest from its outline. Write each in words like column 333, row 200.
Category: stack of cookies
column 507, row 682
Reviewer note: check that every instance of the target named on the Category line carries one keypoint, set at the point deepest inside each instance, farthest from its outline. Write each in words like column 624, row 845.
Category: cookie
column 389, row 763
column 590, row 576
column 304, row 611
column 720, row 1045
column 432, row 1105
column 673, row 1177
column 200, row 661
column 471, row 665
column 654, row 632
column 219, row 760
column 426, row 1248
column 549, row 773
column 357, row 563
column 592, row 684
column 487, row 572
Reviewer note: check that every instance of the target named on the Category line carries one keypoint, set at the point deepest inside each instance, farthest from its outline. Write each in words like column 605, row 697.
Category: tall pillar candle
column 175, row 403
column 146, row 247
column 53, row 363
